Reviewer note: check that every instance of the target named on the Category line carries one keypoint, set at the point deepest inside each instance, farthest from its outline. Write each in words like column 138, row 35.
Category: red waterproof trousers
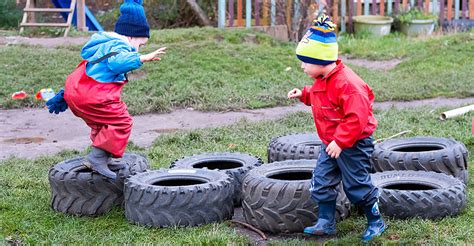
column 100, row 106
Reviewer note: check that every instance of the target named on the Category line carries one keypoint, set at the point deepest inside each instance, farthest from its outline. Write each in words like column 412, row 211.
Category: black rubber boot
column 97, row 160
column 116, row 163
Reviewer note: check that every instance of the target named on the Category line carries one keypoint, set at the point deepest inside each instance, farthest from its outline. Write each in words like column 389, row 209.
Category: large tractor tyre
column 178, row 197
column 76, row 190
column 441, row 155
column 277, row 197
column 234, row 164
column 427, row 195
column 294, row 147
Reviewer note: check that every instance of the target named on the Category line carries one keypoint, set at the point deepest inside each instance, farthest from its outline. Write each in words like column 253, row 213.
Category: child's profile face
column 137, row 42
column 312, row 70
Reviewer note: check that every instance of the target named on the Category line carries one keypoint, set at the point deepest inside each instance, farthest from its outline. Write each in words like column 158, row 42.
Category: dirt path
column 29, row 133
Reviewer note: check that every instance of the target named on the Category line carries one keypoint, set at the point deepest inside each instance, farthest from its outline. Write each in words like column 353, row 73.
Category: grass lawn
column 212, row 69
column 25, row 194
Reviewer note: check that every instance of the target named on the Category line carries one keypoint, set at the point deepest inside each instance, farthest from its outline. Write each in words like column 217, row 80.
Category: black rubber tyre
column 441, row 155
column 178, row 197
column 234, row 164
column 294, row 147
column 77, row 190
column 428, row 195
column 277, row 197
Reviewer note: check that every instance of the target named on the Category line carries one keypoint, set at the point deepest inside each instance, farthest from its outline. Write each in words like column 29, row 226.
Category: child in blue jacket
column 92, row 91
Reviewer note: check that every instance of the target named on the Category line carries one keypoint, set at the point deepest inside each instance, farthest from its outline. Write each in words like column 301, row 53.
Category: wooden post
column 248, row 13
column 231, row 13
column 366, row 7
column 351, row 13
column 404, row 5
column 382, row 7
column 265, row 10
column 419, row 5
column 273, row 13
column 427, row 6
column 81, row 16
column 240, row 21
column 441, row 13
column 456, row 9
column 397, row 6
column 449, row 6
column 288, row 13
column 343, row 15
column 221, row 14
column 257, row 12
column 389, row 7
column 471, row 9
column 359, row 7
column 33, row 14
column 335, row 11
column 464, row 9
column 374, row 7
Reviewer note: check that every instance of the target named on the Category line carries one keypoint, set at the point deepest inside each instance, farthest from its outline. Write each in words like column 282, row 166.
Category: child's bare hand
column 295, row 93
column 153, row 56
column 333, row 150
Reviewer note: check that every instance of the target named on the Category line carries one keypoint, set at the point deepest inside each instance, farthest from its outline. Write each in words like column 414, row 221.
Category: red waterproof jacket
column 342, row 106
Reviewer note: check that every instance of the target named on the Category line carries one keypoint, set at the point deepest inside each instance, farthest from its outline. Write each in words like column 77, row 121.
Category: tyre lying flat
column 178, row 197
column 294, row 147
column 428, row 195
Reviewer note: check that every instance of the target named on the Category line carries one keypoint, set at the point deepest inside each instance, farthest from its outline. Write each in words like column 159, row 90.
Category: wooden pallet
column 30, row 8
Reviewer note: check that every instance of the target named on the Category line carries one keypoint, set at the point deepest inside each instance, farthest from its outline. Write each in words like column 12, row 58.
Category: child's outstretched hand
column 153, row 56
column 295, row 93
column 333, row 150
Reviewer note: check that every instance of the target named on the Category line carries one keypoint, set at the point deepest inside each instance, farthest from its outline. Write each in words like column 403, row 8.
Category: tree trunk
column 200, row 13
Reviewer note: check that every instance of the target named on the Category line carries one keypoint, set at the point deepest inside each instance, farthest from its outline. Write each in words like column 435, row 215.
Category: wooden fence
column 269, row 12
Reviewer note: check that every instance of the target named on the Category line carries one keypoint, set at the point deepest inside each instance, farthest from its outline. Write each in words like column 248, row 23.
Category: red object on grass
column 19, row 95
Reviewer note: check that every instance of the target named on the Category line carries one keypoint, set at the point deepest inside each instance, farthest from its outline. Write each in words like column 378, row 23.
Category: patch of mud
column 43, row 42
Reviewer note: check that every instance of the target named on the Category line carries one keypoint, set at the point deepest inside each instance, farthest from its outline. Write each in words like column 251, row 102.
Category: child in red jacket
column 341, row 103
column 93, row 90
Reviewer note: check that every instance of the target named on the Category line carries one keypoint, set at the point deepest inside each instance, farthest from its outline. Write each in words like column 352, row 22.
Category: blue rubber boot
column 375, row 224
column 326, row 224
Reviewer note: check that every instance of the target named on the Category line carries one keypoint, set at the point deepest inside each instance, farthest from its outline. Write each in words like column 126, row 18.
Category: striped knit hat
column 319, row 44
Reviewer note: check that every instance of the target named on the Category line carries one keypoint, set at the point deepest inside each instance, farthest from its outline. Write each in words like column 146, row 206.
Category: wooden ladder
column 30, row 8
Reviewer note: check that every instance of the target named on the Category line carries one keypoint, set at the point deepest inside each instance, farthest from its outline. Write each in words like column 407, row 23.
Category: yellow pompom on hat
column 319, row 44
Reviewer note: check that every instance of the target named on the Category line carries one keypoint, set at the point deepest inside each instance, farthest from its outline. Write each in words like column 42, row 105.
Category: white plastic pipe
column 456, row 112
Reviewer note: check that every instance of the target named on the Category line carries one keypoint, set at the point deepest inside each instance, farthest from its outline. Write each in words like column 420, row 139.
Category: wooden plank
column 265, row 15
column 382, row 7
column 296, row 17
column 366, row 7
column 427, row 6
column 231, row 13
column 420, row 4
column 389, row 7
column 404, row 5
column 69, row 18
column 273, row 13
column 434, row 10
column 359, row 7
column 397, row 6
column 335, row 12
column 257, row 12
column 25, row 16
column 374, row 7
column 240, row 21
column 412, row 4
column 449, row 7
column 44, row 25
column 456, row 9
column 220, row 13
column 343, row 15
column 471, row 9
column 47, row 10
column 248, row 13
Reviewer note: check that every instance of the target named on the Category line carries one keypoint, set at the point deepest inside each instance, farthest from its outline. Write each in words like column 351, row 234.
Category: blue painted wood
column 389, row 7
column 221, row 13
column 343, row 15
column 457, row 6
column 248, row 13
column 366, row 7
column 273, row 13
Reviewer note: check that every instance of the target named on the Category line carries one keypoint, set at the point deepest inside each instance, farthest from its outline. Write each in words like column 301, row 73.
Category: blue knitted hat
column 132, row 20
